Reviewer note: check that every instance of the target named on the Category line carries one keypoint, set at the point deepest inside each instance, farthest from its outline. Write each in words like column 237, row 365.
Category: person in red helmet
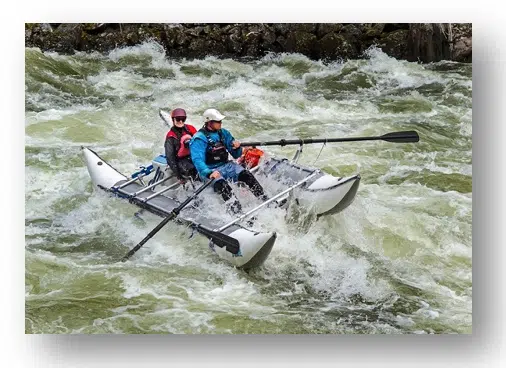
column 177, row 150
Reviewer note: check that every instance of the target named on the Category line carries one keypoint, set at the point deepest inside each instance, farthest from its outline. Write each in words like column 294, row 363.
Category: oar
column 219, row 239
column 172, row 215
column 397, row 137
column 165, row 117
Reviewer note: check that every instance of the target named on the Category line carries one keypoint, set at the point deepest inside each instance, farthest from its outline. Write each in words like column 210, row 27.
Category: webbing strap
column 145, row 171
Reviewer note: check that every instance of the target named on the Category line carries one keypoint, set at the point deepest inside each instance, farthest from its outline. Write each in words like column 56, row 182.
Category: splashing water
column 398, row 260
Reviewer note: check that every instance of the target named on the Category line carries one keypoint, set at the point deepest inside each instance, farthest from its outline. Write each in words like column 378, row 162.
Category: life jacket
column 216, row 152
column 183, row 150
column 250, row 157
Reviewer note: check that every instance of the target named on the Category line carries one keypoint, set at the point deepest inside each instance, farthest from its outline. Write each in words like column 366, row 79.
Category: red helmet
column 178, row 112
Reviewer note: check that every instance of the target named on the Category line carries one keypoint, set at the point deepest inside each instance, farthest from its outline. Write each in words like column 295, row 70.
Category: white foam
column 395, row 229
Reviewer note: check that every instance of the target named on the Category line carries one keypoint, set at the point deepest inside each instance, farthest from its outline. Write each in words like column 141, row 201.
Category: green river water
column 397, row 261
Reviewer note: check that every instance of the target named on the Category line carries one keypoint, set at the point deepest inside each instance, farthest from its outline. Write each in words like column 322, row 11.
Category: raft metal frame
column 272, row 199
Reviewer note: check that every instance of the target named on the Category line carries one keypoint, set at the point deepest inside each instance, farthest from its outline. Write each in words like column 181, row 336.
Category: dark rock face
column 326, row 28
column 65, row 38
column 463, row 50
column 335, row 46
column 302, row 42
column 461, row 40
column 428, row 42
column 423, row 42
column 394, row 43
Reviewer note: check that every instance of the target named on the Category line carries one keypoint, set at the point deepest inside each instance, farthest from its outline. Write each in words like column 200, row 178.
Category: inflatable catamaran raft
column 152, row 188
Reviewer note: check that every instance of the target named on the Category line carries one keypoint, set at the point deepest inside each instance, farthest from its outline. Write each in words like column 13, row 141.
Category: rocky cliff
column 425, row 42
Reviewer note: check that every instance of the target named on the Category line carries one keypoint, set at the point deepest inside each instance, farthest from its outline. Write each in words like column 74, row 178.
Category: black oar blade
column 401, row 137
column 221, row 240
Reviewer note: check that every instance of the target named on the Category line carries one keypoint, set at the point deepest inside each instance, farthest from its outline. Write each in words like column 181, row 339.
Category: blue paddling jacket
column 203, row 143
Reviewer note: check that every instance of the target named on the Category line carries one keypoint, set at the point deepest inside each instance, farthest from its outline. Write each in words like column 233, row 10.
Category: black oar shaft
column 149, row 236
column 286, row 142
column 172, row 215
column 401, row 137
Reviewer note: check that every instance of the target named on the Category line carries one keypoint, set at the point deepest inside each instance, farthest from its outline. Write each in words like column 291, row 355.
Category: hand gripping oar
column 397, row 137
column 172, row 215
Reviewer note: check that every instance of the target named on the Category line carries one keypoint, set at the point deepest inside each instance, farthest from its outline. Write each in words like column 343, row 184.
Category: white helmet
column 213, row 114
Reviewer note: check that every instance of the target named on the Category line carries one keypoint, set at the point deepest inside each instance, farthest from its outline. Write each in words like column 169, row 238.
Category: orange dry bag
column 250, row 157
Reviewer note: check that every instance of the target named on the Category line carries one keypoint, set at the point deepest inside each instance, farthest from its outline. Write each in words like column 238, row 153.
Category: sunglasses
column 216, row 121
column 180, row 118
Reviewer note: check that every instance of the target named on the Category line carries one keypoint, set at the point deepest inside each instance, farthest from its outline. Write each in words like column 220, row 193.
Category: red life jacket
column 183, row 150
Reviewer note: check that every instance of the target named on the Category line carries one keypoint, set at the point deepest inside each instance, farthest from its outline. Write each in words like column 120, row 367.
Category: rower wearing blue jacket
column 209, row 149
